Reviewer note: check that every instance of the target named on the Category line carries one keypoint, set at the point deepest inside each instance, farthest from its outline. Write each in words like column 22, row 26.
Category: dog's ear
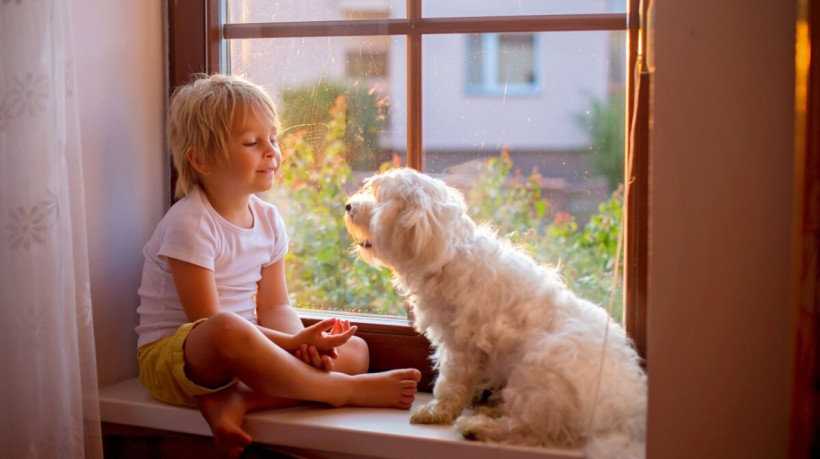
column 430, row 220
column 417, row 220
column 418, row 224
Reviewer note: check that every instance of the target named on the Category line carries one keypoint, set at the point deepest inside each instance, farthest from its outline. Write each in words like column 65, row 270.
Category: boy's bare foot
column 390, row 389
column 224, row 411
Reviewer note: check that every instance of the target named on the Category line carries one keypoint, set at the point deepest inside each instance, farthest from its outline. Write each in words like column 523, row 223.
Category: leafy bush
column 586, row 257
column 310, row 194
column 324, row 274
column 605, row 124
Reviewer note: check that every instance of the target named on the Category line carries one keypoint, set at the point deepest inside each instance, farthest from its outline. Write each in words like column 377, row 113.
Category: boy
column 216, row 330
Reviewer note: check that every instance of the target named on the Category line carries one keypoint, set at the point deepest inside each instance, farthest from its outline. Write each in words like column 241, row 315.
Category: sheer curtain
column 48, row 376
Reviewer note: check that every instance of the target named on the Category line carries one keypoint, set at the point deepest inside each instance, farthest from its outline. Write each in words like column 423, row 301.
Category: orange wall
column 720, row 271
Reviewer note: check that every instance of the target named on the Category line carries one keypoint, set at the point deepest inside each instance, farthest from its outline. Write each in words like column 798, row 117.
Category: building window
column 366, row 63
column 502, row 64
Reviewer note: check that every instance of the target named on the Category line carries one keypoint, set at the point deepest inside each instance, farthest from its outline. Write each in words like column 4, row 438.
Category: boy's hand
column 311, row 356
column 320, row 340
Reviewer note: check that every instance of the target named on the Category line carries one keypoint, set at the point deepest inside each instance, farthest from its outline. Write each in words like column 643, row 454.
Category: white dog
column 501, row 324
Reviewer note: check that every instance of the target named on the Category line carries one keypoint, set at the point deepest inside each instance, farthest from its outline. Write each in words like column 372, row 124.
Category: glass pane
column 455, row 8
column 336, row 100
column 251, row 11
column 516, row 58
column 534, row 136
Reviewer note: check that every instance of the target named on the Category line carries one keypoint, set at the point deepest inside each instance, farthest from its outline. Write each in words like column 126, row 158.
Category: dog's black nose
column 348, row 207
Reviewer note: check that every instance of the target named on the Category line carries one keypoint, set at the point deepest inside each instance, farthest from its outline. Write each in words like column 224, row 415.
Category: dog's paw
column 480, row 427
column 491, row 411
column 431, row 413
column 472, row 427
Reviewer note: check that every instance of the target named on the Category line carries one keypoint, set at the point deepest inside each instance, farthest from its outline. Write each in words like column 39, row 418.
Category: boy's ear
column 198, row 161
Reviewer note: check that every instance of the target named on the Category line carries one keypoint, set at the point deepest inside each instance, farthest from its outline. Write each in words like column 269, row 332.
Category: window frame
column 196, row 44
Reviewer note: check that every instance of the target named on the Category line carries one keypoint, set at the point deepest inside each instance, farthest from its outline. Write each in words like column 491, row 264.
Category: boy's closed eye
column 255, row 143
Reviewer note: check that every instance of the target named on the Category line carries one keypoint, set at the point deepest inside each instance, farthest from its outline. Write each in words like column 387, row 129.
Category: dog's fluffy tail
column 615, row 446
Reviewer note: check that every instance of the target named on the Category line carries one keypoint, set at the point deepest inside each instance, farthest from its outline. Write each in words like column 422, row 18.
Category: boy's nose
column 273, row 150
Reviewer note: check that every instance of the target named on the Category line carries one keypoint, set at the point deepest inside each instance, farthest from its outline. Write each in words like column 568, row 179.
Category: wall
column 121, row 85
column 720, row 268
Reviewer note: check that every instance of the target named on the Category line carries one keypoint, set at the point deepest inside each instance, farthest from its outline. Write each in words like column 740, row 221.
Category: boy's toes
column 407, row 400
column 411, row 374
column 235, row 452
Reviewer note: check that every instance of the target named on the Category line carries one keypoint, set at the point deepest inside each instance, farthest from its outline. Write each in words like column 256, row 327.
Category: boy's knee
column 358, row 345
column 227, row 328
column 357, row 355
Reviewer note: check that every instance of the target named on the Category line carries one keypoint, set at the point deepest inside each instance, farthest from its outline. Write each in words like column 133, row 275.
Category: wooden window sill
column 326, row 432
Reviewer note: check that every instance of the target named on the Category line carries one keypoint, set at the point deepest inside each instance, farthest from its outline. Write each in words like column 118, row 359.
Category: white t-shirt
column 192, row 231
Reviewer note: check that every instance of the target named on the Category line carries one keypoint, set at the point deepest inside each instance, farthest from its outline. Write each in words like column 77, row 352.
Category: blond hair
column 200, row 117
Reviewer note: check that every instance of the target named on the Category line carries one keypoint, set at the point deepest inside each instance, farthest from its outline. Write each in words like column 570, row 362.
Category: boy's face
column 254, row 155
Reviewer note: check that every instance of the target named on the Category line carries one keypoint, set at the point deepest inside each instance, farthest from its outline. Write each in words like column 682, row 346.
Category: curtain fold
column 48, row 389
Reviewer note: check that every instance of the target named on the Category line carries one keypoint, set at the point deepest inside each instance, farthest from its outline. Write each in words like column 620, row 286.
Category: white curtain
column 48, row 376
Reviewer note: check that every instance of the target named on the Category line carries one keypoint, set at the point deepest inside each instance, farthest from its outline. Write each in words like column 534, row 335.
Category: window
column 501, row 64
column 366, row 63
column 406, row 76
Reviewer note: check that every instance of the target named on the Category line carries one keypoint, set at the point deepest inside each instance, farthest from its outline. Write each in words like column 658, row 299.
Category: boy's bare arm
column 273, row 309
column 196, row 288
column 274, row 313
column 197, row 292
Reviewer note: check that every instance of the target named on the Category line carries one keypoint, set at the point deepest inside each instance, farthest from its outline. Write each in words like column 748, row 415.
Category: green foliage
column 586, row 257
column 324, row 274
column 310, row 195
column 513, row 204
column 308, row 108
column 605, row 125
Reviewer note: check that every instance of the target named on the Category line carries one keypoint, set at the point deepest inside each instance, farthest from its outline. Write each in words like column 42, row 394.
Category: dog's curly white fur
column 500, row 324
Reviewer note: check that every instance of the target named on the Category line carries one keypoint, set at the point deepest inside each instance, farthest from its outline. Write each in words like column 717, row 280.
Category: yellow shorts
column 162, row 370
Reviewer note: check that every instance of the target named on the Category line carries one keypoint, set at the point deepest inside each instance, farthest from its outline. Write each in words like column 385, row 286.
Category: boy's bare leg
column 225, row 410
column 227, row 345
column 354, row 357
